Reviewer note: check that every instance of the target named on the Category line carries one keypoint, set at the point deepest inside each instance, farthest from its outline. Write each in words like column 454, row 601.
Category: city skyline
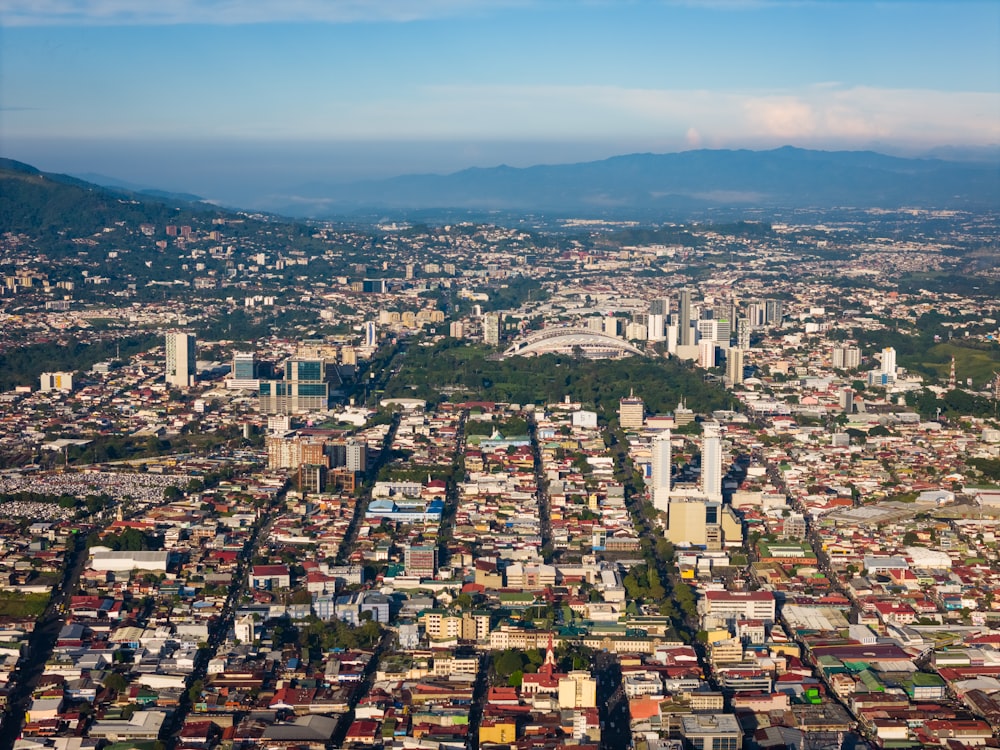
column 207, row 98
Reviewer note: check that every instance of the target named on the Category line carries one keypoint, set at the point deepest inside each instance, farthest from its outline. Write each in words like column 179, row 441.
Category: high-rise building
column 357, row 457
column 181, row 362
column 371, row 335
column 685, row 333
column 723, row 332
column 711, row 462
column 420, row 560
column 243, row 373
column 734, row 366
column 774, row 311
column 706, row 329
column 847, row 400
column 631, row 413
column 492, row 325
column 56, row 381
column 659, row 306
column 889, row 363
column 244, row 366
column 662, row 465
column 845, row 357
column 706, row 353
column 655, row 330
column 743, row 333
column 303, row 389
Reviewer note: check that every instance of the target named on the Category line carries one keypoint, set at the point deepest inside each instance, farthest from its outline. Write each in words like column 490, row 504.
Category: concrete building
column 303, row 389
column 734, row 366
column 711, row 462
column 685, row 333
column 181, row 359
column 492, row 327
column 694, row 522
column 631, row 413
column 56, row 381
column 661, row 470
column 845, row 357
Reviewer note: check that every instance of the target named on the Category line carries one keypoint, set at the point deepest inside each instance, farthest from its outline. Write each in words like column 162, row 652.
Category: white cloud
column 825, row 112
column 232, row 12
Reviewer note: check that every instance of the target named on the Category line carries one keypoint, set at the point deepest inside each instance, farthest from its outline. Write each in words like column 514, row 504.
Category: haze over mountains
column 677, row 184
column 786, row 177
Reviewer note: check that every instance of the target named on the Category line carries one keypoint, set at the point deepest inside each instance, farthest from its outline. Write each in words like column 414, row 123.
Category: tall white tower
column 371, row 335
column 181, row 362
column 889, row 362
column 711, row 462
column 662, row 459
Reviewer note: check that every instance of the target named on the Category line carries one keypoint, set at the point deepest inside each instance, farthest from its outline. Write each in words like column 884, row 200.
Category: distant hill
column 131, row 187
column 40, row 203
column 691, row 180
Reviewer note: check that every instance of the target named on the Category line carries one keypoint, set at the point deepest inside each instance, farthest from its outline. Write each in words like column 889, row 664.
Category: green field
column 978, row 364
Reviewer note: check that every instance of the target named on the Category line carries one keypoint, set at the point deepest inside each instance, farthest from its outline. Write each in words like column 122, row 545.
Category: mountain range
column 687, row 181
column 636, row 186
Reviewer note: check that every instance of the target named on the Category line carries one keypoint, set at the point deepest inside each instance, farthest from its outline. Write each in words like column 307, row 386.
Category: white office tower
column 662, row 460
column 181, row 361
column 706, row 329
column 706, row 353
column 889, row 363
column 655, row 329
column 711, row 462
column 672, row 338
column 734, row 366
column 371, row 335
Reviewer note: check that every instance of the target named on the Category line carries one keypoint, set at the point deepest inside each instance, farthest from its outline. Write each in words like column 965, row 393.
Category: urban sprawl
column 717, row 487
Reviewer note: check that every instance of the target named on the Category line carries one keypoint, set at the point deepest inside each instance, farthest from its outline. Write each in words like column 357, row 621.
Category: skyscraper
column 303, row 389
column 181, row 362
column 492, row 323
column 685, row 334
column 706, row 353
column 889, row 363
column 244, row 366
column 371, row 335
column 734, row 366
column 774, row 311
column 659, row 306
column 662, row 462
column 743, row 333
column 711, row 462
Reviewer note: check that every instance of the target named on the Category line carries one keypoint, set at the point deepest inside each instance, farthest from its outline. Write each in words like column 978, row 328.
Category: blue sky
column 200, row 94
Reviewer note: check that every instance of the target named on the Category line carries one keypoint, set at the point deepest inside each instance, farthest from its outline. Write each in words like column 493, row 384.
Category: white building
column 711, row 462
column 181, row 359
column 662, row 464
column 56, row 381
